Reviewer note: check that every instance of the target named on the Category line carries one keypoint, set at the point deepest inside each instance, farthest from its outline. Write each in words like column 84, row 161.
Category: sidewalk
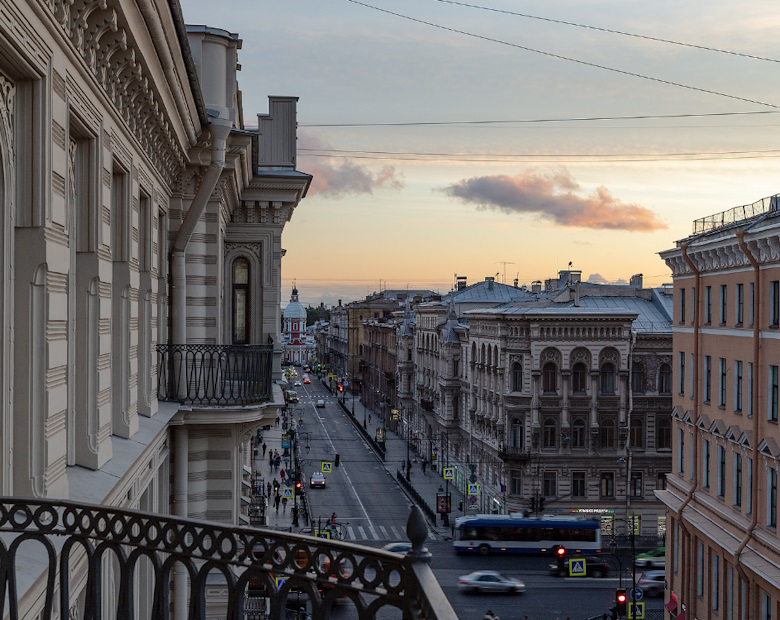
column 426, row 484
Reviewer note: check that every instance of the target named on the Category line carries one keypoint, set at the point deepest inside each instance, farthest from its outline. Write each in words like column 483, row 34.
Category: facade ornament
column 7, row 94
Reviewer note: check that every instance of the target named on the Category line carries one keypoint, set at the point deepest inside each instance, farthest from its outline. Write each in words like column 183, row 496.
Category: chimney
column 516, row 282
column 536, row 287
column 461, row 282
column 577, row 294
column 636, row 281
column 489, row 280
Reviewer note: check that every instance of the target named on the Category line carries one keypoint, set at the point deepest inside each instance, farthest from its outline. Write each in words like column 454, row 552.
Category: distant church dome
column 294, row 309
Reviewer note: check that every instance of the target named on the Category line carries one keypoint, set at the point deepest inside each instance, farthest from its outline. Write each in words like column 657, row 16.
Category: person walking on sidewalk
column 268, row 488
column 277, row 499
column 333, row 518
column 284, row 504
column 369, row 418
column 424, row 465
column 270, row 460
column 264, row 447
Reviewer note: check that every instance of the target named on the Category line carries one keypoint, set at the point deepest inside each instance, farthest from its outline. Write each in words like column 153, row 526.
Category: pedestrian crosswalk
column 362, row 533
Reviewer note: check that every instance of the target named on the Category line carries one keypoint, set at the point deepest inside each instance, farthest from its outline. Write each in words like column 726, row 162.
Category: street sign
column 395, row 413
column 286, row 441
column 474, row 488
column 577, row 567
column 449, row 473
column 322, row 533
column 636, row 611
column 288, row 493
column 327, row 467
column 280, row 582
column 637, row 594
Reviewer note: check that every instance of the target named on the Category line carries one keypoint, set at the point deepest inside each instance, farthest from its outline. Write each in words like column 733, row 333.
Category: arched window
column 637, row 433
column 608, row 379
column 579, row 377
column 608, row 433
column 549, row 378
column 516, row 436
column 578, row 433
column 665, row 379
column 638, row 378
column 549, row 434
column 241, row 301
column 663, row 434
column 517, row 377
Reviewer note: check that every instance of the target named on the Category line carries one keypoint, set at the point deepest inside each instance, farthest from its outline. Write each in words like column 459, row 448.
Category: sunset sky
column 492, row 139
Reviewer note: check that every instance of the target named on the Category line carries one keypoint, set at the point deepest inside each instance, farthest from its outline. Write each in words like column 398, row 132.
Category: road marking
column 373, row 532
column 362, row 532
column 351, row 533
column 384, row 531
column 396, row 534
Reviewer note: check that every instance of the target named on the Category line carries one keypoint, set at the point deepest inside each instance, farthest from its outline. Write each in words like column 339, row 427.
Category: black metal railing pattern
column 281, row 566
column 206, row 374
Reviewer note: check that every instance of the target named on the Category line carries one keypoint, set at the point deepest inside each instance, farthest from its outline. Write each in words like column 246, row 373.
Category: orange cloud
column 552, row 198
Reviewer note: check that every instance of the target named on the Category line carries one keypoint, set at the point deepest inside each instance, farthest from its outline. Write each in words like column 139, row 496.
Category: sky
column 507, row 139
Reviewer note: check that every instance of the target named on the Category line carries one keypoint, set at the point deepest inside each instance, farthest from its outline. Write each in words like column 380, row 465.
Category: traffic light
column 460, row 505
column 337, row 460
column 620, row 601
column 298, row 486
column 560, row 554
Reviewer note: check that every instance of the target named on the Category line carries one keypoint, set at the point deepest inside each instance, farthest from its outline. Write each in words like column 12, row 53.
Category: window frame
column 550, row 378
column 246, row 289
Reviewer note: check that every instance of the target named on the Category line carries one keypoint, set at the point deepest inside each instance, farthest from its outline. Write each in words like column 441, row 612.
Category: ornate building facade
column 721, row 500
column 298, row 346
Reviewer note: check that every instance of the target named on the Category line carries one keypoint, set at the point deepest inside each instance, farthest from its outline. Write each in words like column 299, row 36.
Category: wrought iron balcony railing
column 214, row 374
column 80, row 550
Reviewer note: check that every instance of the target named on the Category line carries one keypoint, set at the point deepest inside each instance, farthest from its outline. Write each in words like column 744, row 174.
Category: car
column 595, row 566
column 320, row 402
column 489, row 581
column 306, row 380
column 398, row 547
column 652, row 559
column 652, row 583
column 317, row 480
column 297, row 383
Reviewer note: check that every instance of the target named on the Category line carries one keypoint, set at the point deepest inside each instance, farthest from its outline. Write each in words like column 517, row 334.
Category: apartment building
column 721, row 499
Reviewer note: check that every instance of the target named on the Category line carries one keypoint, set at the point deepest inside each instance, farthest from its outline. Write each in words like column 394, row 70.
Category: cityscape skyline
column 450, row 137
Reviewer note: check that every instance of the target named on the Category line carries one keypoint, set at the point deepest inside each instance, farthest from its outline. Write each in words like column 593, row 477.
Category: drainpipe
column 754, row 399
column 690, row 594
column 220, row 129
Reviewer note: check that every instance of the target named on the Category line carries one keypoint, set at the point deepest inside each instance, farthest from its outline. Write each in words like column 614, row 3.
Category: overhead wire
column 567, row 58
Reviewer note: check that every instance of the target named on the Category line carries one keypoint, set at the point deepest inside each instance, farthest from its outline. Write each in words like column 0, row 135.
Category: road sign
column 637, row 594
column 280, row 581
column 577, row 567
column 322, row 533
column 288, row 493
column 474, row 488
column 327, row 467
column 636, row 611
column 449, row 473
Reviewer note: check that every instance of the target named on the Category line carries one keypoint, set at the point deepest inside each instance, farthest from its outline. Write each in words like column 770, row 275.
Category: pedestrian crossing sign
column 474, row 488
column 322, row 533
column 280, row 581
column 636, row 611
column 395, row 414
column 287, row 493
column 577, row 567
column 449, row 473
column 327, row 467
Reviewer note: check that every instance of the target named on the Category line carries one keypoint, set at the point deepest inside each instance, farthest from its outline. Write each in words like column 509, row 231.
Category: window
column 663, row 434
column 550, row 484
column 637, row 434
column 579, row 378
column 707, row 378
column 715, row 585
column 771, row 497
column 766, row 606
column 738, row 479
column 240, row 301
column 516, row 482
column 772, row 393
column 751, row 300
column 517, row 377
column 721, row 471
column 739, row 304
column 693, row 304
column 676, row 552
column 682, row 373
column 578, row 433
column 705, row 473
column 665, row 379
column 608, row 433
column 750, row 389
column 700, row 569
column 608, row 379
column 738, row 385
column 607, row 486
column 682, row 305
column 550, row 434
column 721, row 382
column 774, row 303
column 723, row 308
column 578, row 484
column 708, row 304
column 680, row 451
column 692, row 391
column 636, row 484
column 638, row 378
column 549, row 378
column 516, row 434
column 749, row 488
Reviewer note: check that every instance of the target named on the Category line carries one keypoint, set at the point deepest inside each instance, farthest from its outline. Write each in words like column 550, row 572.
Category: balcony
column 255, row 569
column 513, row 453
column 550, row 402
column 211, row 375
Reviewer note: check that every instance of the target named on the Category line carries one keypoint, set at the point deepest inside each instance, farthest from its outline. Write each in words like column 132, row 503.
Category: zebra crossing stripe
column 373, row 532
column 351, row 533
column 396, row 535
column 384, row 532
column 362, row 532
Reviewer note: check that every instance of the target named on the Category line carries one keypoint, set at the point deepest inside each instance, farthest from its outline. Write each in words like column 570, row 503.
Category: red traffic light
column 621, row 598
column 298, row 485
column 560, row 551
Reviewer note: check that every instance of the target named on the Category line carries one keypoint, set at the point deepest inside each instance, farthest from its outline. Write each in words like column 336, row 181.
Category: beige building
column 723, row 553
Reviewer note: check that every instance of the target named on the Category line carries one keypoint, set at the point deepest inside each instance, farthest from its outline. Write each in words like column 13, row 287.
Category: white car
column 490, row 581
column 320, row 402
column 297, row 384
column 317, row 480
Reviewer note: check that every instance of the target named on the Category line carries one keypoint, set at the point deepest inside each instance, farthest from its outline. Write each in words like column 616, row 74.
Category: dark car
column 595, row 566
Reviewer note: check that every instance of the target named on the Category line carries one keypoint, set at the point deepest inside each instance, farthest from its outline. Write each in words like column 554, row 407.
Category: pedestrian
column 425, row 464
column 489, row 616
column 333, row 518
column 281, row 475
column 268, row 488
column 284, row 504
column 276, row 486
column 369, row 418
column 276, row 502
column 271, row 460
column 409, row 465
column 264, row 447
column 403, row 465
column 278, row 461
column 277, row 420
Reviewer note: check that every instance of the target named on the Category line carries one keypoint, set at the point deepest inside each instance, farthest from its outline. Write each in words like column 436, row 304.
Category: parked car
column 490, row 581
column 320, row 402
column 317, row 480
column 652, row 559
column 652, row 583
column 398, row 547
column 594, row 566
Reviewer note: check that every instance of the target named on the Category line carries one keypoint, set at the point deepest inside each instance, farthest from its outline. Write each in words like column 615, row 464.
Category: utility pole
column 505, row 263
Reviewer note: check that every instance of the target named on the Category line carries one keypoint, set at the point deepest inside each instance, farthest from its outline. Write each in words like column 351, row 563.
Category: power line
column 541, row 120
column 611, row 31
column 567, row 58
column 424, row 154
